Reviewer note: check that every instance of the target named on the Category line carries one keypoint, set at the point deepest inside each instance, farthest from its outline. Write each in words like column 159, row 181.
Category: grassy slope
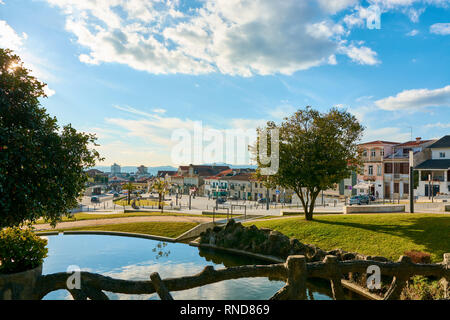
column 88, row 216
column 165, row 229
column 388, row 235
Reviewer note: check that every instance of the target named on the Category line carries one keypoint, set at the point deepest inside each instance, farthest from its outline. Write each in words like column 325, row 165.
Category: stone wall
column 272, row 243
column 374, row 209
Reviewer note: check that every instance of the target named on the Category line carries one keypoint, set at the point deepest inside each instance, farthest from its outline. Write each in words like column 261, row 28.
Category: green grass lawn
column 388, row 235
column 88, row 216
column 164, row 229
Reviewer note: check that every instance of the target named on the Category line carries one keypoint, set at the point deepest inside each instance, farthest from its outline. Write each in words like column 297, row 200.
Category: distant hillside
column 130, row 169
column 154, row 170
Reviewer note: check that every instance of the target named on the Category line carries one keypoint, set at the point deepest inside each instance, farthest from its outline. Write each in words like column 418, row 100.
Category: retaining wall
column 374, row 209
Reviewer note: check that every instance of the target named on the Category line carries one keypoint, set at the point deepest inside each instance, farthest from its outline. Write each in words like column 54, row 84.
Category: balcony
column 372, row 159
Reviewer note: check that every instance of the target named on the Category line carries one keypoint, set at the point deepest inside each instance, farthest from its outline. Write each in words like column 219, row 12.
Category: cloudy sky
column 134, row 71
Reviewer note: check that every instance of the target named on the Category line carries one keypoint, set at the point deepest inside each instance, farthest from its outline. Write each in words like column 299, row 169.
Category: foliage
column 316, row 151
column 21, row 250
column 130, row 188
column 418, row 257
column 423, row 288
column 161, row 187
column 41, row 164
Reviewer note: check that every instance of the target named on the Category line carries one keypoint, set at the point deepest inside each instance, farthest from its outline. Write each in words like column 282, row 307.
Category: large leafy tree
column 41, row 164
column 316, row 151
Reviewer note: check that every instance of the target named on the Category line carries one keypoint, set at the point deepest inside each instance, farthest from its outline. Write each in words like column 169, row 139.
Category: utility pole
column 411, row 181
column 190, row 195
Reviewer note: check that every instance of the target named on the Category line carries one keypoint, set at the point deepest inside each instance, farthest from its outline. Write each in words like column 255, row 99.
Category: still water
column 135, row 259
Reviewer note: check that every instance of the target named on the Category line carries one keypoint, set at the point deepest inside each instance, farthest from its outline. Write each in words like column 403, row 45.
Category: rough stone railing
column 294, row 272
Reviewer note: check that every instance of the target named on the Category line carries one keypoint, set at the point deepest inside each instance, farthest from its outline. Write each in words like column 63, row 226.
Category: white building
column 115, row 169
column 434, row 173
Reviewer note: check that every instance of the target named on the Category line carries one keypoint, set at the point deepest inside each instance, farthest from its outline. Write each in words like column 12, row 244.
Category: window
column 396, row 188
column 406, row 188
column 388, row 168
column 441, row 154
column 364, row 153
column 382, row 152
column 378, row 170
column 373, row 153
column 370, row 170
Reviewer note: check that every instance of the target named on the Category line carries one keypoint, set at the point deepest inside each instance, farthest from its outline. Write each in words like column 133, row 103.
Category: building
column 94, row 172
column 434, row 173
column 193, row 176
column 142, row 170
column 165, row 174
column 115, row 169
column 346, row 187
column 371, row 178
column 396, row 166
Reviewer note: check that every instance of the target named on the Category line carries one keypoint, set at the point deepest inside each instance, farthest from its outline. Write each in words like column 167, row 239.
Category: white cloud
column 336, row 5
column 234, row 37
column 437, row 125
column 282, row 111
column 361, row 55
column 416, row 99
column 414, row 14
column 440, row 28
column 413, row 33
column 9, row 38
column 388, row 134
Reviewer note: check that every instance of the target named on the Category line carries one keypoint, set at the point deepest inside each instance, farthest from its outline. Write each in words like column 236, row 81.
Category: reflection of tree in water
column 159, row 250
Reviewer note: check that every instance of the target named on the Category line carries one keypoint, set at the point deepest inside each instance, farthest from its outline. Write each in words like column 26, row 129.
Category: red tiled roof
column 413, row 143
column 378, row 142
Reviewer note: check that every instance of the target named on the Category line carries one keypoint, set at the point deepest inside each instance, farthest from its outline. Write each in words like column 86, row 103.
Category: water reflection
column 159, row 250
column 135, row 259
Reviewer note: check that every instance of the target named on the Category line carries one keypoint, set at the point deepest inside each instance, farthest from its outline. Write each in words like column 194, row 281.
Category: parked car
column 262, row 201
column 221, row 200
column 116, row 195
column 359, row 200
column 95, row 200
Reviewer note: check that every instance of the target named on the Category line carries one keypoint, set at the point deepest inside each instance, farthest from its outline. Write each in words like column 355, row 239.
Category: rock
column 274, row 243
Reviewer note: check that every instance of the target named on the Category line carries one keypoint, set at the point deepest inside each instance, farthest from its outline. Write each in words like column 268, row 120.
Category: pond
column 136, row 258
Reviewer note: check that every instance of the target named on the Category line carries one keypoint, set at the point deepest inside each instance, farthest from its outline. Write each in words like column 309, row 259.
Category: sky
column 138, row 73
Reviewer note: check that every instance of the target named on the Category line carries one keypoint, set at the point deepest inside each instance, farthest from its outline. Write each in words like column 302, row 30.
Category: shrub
column 422, row 288
column 20, row 250
column 418, row 257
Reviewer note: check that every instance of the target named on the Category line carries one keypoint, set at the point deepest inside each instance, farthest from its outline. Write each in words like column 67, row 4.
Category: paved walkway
column 97, row 222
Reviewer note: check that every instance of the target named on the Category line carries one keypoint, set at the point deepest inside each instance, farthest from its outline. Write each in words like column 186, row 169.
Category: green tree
column 161, row 187
column 316, row 151
column 130, row 188
column 41, row 164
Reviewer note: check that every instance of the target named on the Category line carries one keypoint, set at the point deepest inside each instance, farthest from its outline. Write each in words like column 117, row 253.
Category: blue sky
column 135, row 71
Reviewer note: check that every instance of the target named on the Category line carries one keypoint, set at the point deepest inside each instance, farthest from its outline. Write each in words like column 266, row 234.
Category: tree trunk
column 308, row 214
column 129, row 197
